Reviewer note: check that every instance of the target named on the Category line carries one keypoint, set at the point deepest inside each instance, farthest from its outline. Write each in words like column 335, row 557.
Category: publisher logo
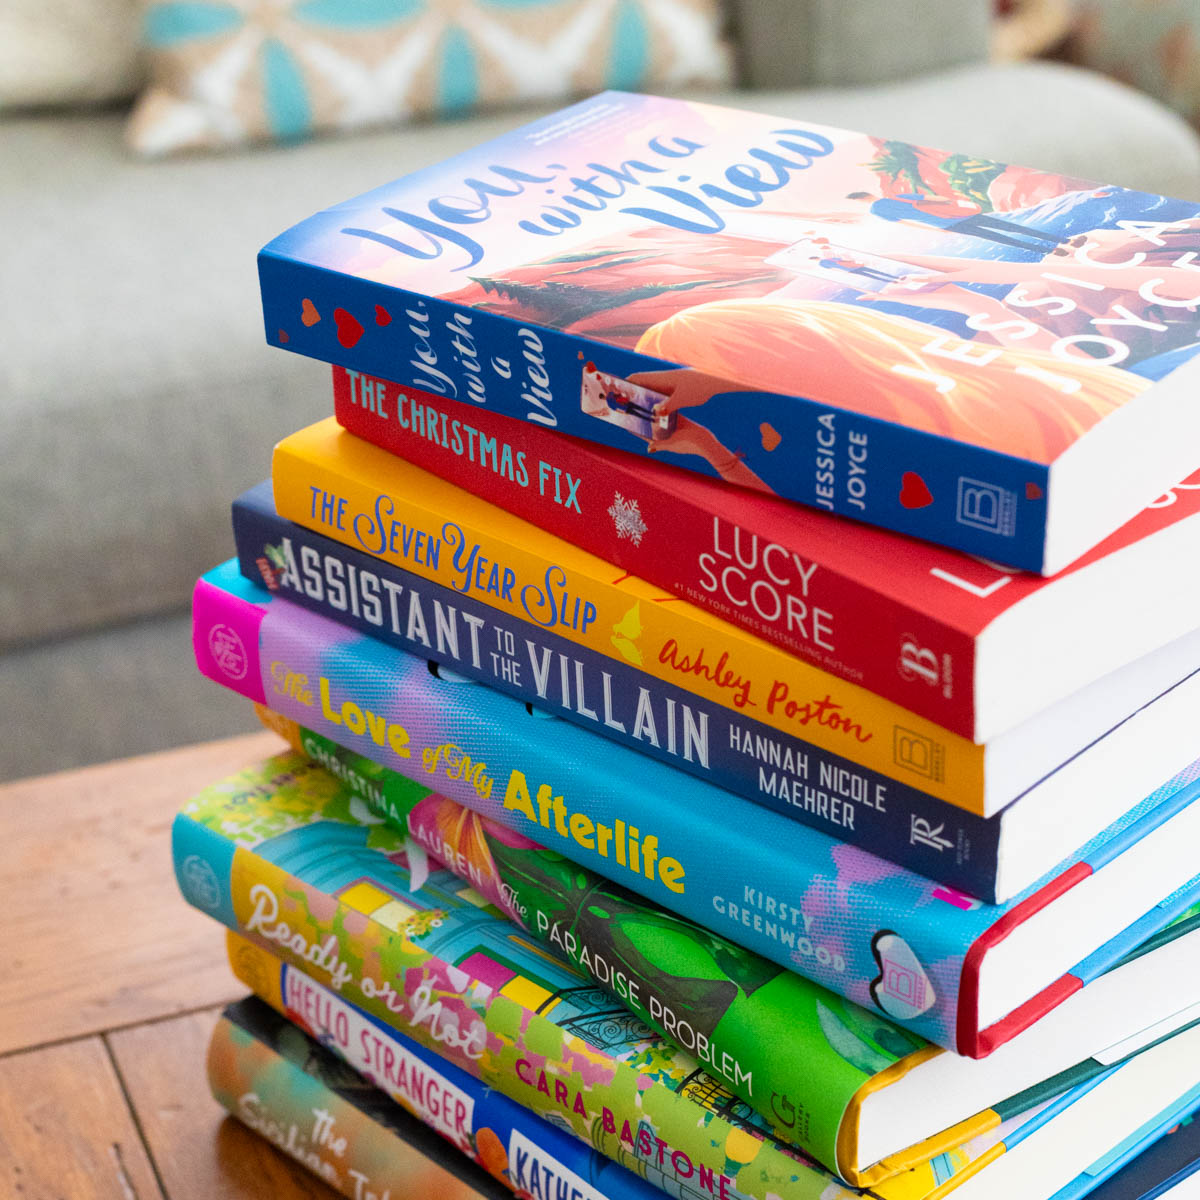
column 228, row 652
column 919, row 662
column 918, row 753
column 921, row 832
column 199, row 881
column 986, row 506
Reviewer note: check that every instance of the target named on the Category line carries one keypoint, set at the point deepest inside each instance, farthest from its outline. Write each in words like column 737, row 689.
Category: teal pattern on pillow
column 226, row 74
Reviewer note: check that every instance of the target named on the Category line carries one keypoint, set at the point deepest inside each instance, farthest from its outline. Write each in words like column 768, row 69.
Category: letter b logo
column 919, row 662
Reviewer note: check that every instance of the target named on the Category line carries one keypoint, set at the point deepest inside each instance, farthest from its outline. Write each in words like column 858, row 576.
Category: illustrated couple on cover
column 1046, row 335
column 1021, row 329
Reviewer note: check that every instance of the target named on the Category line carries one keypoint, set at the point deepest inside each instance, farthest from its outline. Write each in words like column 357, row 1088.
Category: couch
column 137, row 395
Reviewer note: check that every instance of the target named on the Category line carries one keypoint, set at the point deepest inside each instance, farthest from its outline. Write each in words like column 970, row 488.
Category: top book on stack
column 988, row 357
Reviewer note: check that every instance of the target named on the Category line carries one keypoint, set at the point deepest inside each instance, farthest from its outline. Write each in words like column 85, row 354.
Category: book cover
column 280, row 855
column 538, row 666
column 941, row 633
column 865, row 928
column 966, row 351
column 1165, row 1164
column 313, row 1028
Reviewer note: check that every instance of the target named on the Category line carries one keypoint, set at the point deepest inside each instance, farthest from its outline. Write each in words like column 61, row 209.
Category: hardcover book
column 975, row 647
column 906, row 1106
column 324, row 1045
column 279, row 854
column 991, row 858
column 1167, row 1164
column 982, row 355
column 293, row 1090
column 962, row 974
column 328, row 480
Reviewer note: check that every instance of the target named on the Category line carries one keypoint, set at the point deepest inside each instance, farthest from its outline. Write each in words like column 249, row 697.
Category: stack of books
column 737, row 640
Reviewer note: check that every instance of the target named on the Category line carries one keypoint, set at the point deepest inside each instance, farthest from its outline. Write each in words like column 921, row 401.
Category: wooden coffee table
column 109, row 988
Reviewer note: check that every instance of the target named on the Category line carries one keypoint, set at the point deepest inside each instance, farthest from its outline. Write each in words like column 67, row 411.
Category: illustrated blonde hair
column 1007, row 399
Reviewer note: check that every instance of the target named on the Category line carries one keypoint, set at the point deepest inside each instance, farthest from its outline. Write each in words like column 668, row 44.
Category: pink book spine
column 712, row 544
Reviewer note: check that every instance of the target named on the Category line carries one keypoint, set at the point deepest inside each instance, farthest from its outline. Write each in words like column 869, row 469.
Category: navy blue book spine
column 746, row 757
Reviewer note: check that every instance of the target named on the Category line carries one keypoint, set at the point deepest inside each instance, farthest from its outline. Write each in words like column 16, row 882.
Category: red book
column 976, row 647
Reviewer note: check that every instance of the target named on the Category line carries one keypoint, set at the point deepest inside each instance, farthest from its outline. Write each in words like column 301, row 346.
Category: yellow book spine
column 337, row 485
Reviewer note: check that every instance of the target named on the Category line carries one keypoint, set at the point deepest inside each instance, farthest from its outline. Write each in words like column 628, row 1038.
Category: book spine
column 767, row 883
column 308, row 1111
column 505, row 1044
column 703, row 548
column 506, row 1139
column 327, row 480
column 924, row 484
column 894, row 820
column 764, row 1031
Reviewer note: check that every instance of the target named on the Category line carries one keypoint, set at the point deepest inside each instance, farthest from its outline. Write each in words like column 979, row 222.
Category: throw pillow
column 61, row 52
column 228, row 73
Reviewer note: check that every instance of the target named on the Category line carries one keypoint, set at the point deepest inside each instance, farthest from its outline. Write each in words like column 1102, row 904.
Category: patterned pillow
column 227, row 72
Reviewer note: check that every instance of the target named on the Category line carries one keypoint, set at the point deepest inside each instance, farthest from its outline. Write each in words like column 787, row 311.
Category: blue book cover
column 864, row 927
column 1130, row 1148
column 1167, row 1162
column 979, row 354
column 602, row 694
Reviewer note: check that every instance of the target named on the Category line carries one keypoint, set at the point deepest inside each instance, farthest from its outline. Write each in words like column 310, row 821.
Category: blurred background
column 147, row 151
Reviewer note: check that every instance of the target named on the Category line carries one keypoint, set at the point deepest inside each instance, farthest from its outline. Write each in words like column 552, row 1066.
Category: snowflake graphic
column 627, row 519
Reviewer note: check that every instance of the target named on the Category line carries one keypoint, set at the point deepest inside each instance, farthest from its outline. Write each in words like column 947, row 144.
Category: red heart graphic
column 1033, row 492
column 382, row 316
column 348, row 329
column 308, row 313
column 283, row 337
column 913, row 491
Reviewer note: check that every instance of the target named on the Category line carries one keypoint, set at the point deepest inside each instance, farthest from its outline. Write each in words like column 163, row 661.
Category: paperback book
column 989, row 357
column 975, row 647
column 964, row 975
column 328, row 480
column 727, row 1005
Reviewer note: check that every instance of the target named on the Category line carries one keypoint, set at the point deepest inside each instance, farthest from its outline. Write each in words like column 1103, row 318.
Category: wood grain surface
column 112, row 988
column 104, row 938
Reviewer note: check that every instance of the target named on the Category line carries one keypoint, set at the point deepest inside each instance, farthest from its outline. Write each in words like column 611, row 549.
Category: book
column 377, row 1070
column 1165, row 1165
column 687, row 984
column 989, row 357
column 293, row 1089
column 301, row 1098
column 328, row 1018
column 278, row 854
column 973, row 647
column 964, row 975
column 1086, row 1137
column 328, row 480
column 990, row 858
